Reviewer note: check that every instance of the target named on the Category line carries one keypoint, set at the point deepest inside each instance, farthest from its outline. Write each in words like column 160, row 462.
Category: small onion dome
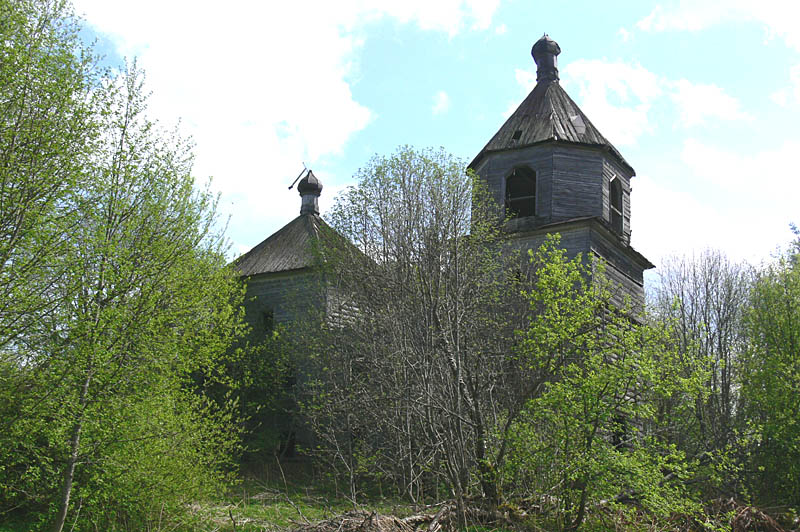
column 309, row 185
column 544, row 52
column 309, row 188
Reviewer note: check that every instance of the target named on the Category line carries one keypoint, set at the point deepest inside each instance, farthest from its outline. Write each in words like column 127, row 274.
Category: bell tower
column 551, row 171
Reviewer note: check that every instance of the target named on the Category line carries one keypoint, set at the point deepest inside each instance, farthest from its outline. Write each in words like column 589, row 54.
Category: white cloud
column 624, row 34
column 449, row 16
column 768, row 178
column 791, row 94
column 780, row 18
column 616, row 96
column 688, row 16
column 526, row 80
column 697, row 103
column 501, row 29
column 441, row 103
column 755, row 194
column 741, row 203
column 667, row 219
column 262, row 86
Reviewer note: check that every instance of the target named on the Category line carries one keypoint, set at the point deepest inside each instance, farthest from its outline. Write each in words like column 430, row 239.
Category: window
column 615, row 197
column 521, row 193
column 268, row 321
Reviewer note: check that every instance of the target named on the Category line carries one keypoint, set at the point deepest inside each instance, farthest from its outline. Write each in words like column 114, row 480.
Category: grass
column 269, row 501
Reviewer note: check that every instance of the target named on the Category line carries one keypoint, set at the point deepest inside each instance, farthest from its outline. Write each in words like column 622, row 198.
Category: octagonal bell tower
column 551, row 171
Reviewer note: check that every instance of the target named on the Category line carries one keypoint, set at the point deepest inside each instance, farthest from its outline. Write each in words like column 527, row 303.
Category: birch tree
column 117, row 308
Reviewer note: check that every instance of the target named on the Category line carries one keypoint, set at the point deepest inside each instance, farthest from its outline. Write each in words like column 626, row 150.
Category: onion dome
column 309, row 188
column 544, row 52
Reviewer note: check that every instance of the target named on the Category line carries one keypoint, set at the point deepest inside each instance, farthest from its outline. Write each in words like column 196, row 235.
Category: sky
column 701, row 97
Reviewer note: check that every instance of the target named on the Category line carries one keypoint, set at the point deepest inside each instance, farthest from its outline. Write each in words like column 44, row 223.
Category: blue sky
column 702, row 100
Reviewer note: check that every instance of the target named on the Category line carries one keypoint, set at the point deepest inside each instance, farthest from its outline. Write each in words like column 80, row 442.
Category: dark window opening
column 521, row 193
column 615, row 193
column 268, row 321
column 517, row 134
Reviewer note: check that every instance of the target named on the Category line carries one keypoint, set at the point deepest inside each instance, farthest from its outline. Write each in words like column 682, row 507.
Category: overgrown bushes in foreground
column 471, row 372
column 116, row 308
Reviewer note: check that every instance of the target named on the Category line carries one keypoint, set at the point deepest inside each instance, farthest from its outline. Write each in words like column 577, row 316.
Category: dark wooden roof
column 290, row 248
column 547, row 114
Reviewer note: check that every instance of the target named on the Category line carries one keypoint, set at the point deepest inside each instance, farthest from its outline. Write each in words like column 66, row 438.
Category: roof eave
column 596, row 222
column 603, row 147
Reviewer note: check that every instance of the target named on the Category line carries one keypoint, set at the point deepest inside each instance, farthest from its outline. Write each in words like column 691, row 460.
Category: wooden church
column 281, row 278
column 550, row 171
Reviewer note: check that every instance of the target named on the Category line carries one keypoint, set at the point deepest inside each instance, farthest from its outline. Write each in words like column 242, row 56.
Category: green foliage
column 592, row 434
column 771, row 384
column 48, row 125
column 406, row 379
column 266, row 376
column 118, row 311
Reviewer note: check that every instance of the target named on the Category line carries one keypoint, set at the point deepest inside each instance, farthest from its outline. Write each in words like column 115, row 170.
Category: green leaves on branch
column 771, row 383
column 117, row 308
column 592, row 434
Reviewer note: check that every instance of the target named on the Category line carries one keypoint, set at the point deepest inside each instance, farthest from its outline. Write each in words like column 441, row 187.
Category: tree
column 47, row 127
column 706, row 298
column 592, row 433
column 408, row 384
column 454, row 360
column 770, row 371
column 104, row 401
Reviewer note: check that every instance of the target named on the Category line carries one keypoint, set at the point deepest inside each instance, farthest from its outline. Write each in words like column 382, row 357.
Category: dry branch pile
column 358, row 521
column 747, row 518
column 739, row 517
column 445, row 518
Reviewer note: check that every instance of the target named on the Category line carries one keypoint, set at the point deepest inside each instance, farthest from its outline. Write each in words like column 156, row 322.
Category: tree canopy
column 117, row 306
column 462, row 364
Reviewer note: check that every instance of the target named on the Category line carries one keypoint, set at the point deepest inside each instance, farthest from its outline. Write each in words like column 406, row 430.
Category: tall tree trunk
column 75, row 443
column 487, row 472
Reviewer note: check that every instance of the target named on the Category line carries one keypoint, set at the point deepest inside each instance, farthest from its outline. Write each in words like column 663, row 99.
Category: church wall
column 571, row 182
column 499, row 165
column 573, row 240
column 611, row 169
column 287, row 296
column 584, row 238
column 621, row 269
column 577, row 183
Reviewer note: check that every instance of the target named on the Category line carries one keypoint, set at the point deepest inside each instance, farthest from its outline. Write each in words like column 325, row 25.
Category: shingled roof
column 290, row 248
column 547, row 114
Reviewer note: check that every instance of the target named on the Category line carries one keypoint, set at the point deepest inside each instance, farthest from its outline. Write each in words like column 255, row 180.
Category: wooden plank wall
column 497, row 167
column 610, row 169
column 288, row 295
column 571, row 181
column 577, row 183
column 626, row 275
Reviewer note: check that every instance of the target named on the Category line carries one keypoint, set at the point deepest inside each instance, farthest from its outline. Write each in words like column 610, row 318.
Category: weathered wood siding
column 577, row 183
column 571, row 182
column 592, row 241
column 611, row 169
column 497, row 167
column 287, row 295
column 573, row 189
